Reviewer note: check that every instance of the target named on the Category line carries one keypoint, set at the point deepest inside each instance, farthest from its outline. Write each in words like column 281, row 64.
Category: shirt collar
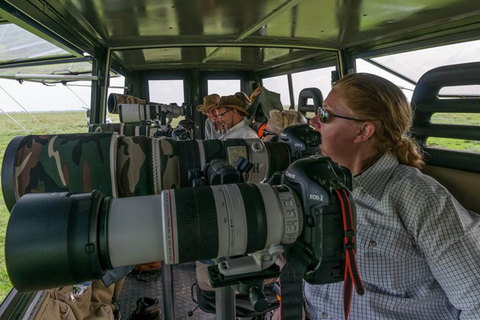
column 375, row 178
column 236, row 127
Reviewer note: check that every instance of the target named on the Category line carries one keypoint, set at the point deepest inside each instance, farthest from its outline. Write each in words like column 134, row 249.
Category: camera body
column 318, row 255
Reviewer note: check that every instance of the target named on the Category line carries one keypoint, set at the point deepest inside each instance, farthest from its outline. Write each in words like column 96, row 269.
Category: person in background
column 232, row 112
column 213, row 126
column 418, row 249
column 279, row 120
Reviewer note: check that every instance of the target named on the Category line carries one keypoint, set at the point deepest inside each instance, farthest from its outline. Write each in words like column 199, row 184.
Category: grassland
column 17, row 124
column 75, row 122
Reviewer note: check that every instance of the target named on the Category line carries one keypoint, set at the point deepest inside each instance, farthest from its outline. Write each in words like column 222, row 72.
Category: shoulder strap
column 351, row 270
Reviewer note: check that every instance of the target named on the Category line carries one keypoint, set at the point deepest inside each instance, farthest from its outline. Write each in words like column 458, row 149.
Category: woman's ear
column 367, row 129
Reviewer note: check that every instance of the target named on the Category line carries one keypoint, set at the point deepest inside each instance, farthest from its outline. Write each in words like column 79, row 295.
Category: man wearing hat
column 213, row 126
column 231, row 112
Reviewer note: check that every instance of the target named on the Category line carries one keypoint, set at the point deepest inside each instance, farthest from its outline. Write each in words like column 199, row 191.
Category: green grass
column 48, row 123
column 455, row 144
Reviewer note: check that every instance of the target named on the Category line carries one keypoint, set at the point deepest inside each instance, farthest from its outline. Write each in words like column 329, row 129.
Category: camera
column 58, row 239
column 141, row 117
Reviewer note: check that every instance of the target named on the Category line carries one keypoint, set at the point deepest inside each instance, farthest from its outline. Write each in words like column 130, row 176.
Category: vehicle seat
column 458, row 171
column 309, row 93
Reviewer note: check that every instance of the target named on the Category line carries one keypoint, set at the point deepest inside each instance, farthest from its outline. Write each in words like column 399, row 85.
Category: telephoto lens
column 61, row 238
column 57, row 239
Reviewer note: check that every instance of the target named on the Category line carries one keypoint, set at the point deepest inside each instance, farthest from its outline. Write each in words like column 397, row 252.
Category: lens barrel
column 228, row 220
column 60, row 239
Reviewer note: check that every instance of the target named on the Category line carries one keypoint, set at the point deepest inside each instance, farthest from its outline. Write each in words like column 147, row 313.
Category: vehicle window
column 117, row 85
column 223, row 87
column 453, row 144
column 469, row 119
column 365, row 66
column 414, row 64
column 279, row 84
column 19, row 44
column 460, row 92
column 318, row 78
column 166, row 91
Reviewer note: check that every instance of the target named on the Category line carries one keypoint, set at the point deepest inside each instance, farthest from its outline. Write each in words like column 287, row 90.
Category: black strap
column 290, row 293
column 351, row 270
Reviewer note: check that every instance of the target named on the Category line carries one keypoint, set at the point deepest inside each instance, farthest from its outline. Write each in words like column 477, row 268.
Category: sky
column 35, row 97
column 18, row 97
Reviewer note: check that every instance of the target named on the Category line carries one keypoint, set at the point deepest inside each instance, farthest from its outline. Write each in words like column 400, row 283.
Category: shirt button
column 324, row 315
column 373, row 243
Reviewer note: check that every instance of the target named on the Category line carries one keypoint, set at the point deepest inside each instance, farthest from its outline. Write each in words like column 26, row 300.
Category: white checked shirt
column 418, row 251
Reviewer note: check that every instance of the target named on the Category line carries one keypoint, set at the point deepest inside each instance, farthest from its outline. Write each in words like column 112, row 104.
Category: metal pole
column 15, row 121
column 225, row 303
column 167, row 286
column 31, row 115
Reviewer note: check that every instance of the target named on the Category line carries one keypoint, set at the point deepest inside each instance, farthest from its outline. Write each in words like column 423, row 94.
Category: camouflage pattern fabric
column 107, row 127
column 134, row 166
column 134, row 130
column 68, row 162
column 119, row 166
column 167, row 165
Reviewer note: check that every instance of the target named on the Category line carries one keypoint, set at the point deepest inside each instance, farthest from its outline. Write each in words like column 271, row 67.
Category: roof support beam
column 256, row 26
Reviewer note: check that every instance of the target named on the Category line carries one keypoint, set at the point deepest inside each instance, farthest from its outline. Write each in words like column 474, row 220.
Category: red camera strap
column 351, row 270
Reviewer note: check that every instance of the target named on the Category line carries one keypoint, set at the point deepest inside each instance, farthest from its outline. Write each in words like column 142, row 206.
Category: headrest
column 309, row 93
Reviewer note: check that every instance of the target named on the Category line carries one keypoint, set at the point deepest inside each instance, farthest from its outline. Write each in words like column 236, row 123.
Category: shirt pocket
column 389, row 260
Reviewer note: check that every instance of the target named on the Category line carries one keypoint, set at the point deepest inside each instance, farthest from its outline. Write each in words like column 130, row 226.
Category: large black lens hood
column 53, row 241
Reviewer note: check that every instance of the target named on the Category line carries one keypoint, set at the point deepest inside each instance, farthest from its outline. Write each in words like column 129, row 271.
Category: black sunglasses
column 222, row 114
column 325, row 116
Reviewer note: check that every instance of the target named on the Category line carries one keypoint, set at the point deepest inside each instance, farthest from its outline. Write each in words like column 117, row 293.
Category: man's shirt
column 418, row 251
column 240, row 131
column 211, row 131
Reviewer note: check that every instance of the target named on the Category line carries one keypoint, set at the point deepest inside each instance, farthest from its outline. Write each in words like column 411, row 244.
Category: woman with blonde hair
column 279, row 120
column 418, row 249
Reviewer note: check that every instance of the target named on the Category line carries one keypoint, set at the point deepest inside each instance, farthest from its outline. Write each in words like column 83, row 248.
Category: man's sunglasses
column 325, row 116
column 222, row 114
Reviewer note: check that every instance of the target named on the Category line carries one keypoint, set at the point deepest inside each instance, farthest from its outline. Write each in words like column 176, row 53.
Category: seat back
column 458, row 171
column 309, row 93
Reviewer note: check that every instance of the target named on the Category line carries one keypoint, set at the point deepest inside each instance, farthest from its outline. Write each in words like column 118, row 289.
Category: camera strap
column 290, row 293
column 351, row 270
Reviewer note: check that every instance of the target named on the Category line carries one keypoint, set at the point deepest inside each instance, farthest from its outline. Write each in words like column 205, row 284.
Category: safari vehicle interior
column 428, row 47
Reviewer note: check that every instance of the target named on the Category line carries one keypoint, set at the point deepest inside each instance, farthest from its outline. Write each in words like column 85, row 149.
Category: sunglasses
column 268, row 133
column 222, row 114
column 325, row 116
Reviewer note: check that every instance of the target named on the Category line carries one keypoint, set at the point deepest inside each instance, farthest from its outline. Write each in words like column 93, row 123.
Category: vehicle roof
column 253, row 35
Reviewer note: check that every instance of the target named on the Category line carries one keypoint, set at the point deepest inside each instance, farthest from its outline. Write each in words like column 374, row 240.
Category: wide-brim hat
column 232, row 102
column 209, row 102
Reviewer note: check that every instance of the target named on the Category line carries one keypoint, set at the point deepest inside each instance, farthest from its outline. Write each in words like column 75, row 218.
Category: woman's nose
column 315, row 123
